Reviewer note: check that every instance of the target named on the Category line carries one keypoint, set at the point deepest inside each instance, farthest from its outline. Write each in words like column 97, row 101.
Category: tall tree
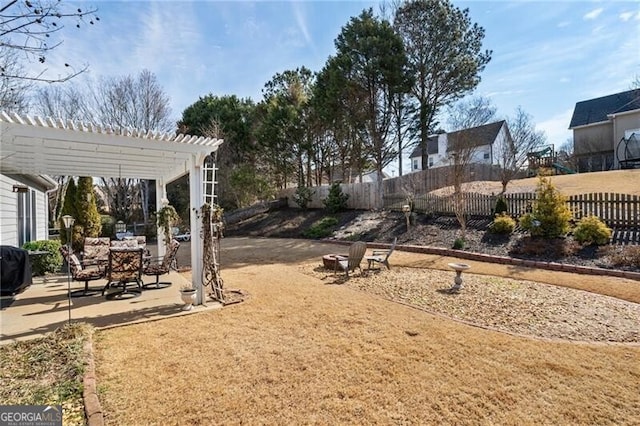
column 333, row 105
column 444, row 50
column 31, row 27
column 371, row 58
column 232, row 119
column 283, row 130
column 512, row 156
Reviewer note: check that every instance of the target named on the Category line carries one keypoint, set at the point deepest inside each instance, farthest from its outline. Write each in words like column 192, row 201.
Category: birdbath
column 458, row 267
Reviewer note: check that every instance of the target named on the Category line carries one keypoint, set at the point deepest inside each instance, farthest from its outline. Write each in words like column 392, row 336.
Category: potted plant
column 188, row 295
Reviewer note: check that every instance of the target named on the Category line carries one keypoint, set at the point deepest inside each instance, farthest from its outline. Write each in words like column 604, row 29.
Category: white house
column 24, row 208
column 486, row 140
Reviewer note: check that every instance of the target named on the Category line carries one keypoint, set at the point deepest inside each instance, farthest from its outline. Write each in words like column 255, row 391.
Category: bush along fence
column 616, row 210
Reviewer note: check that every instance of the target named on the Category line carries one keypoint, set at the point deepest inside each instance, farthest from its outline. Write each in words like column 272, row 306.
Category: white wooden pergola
column 36, row 146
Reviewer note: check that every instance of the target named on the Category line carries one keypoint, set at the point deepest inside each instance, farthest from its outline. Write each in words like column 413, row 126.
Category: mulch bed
column 514, row 306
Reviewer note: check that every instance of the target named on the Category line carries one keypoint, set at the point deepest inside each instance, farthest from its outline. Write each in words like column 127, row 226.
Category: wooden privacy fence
column 362, row 196
column 616, row 210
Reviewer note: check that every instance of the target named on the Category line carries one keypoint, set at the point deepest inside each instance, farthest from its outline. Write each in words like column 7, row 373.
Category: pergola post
column 161, row 196
column 195, row 192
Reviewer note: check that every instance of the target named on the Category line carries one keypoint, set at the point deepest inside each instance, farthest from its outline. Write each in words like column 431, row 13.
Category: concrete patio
column 44, row 307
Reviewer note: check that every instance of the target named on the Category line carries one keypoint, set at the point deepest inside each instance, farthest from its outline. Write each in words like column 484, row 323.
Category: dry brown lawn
column 615, row 181
column 301, row 350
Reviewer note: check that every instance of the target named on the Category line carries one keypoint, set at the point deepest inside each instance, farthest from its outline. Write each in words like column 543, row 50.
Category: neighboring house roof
column 475, row 136
column 432, row 147
column 596, row 110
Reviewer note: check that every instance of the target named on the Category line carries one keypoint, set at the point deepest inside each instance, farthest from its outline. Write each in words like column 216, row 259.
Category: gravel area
column 514, row 306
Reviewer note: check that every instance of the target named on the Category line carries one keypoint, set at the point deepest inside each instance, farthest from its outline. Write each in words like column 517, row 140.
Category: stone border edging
column 480, row 257
column 92, row 407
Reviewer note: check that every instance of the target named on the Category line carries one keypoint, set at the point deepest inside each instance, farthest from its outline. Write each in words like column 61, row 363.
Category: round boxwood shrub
column 592, row 230
column 502, row 224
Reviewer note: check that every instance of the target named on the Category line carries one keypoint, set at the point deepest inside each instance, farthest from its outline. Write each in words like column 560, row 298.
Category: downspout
column 54, row 187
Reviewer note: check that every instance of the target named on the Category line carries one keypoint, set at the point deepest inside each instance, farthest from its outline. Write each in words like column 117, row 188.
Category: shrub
column 628, row 256
column 545, row 248
column 108, row 225
column 550, row 215
column 501, row 206
column 50, row 262
column 502, row 224
column 302, row 196
column 322, row 228
column 336, row 200
column 592, row 230
column 458, row 244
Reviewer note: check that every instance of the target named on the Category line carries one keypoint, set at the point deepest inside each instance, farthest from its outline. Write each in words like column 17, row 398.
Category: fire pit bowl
column 329, row 260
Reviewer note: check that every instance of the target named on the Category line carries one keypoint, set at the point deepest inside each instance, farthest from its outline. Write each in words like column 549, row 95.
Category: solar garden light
column 406, row 209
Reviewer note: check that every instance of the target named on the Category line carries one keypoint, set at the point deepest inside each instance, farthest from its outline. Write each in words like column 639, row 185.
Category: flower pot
column 188, row 298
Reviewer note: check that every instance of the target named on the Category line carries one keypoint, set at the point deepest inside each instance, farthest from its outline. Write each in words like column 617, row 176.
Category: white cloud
column 564, row 24
column 557, row 127
column 626, row 16
column 301, row 21
column 593, row 14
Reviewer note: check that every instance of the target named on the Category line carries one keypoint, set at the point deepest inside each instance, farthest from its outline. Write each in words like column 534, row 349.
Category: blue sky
column 547, row 55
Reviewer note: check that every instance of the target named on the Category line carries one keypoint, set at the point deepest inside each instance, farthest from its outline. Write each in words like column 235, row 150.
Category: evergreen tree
column 69, row 208
column 88, row 217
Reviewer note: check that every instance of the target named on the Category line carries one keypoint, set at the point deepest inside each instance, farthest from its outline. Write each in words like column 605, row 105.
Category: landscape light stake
column 68, row 224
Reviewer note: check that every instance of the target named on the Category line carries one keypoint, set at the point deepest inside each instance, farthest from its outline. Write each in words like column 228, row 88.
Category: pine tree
column 551, row 216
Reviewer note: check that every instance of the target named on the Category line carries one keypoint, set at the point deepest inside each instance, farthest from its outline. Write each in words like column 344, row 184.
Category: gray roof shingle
column 475, row 136
column 596, row 110
column 432, row 147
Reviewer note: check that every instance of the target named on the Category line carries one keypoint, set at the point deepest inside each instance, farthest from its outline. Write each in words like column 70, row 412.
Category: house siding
column 593, row 147
column 442, row 158
column 621, row 124
column 9, row 226
column 8, row 212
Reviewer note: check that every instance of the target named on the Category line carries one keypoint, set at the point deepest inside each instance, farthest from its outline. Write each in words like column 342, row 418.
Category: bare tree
column 512, row 153
column 13, row 92
column 566, row 155
column 119, row 102
column 462, row 147
column 31, row 27
column 132, row 102
column 66, row 102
